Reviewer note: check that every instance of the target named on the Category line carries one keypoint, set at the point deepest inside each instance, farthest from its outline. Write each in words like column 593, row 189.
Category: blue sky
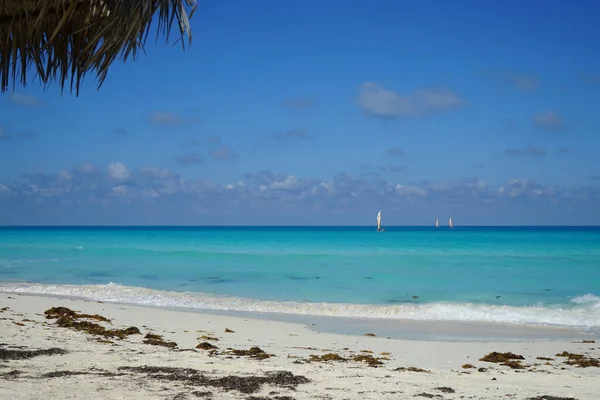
column 323, row 113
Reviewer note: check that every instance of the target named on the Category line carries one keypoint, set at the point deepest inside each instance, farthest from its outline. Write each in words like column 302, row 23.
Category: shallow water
column 547, row 276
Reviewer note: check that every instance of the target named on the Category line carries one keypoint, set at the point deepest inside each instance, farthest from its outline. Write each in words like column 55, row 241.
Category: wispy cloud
column 170, row 119
column 214, row 139
column 510, row 123
column 523, row 82
column 223, row 153
column 299, row 104
column 380, row 102
column 394, row 152
column 520, row 81
column 526, row 151
column 392, row 168
column 293, row 134
column 5, row 135
column 189, row 159
column 25, row 100
column 562, row 152
column 549, row 120
column 590, row 79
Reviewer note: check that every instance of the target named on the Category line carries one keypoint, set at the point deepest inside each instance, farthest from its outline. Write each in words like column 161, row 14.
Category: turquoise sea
column 520, row 275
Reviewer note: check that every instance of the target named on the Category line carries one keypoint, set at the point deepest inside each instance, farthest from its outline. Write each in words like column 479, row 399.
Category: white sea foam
column 584, row 311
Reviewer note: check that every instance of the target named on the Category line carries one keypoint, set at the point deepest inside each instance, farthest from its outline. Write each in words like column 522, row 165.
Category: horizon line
column 292, row 226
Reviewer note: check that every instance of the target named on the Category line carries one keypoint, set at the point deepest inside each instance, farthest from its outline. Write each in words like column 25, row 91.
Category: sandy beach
column 49, row 350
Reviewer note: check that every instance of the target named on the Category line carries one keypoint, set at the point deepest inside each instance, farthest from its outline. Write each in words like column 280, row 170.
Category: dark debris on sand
column 67, row 318
column 19, row 354
column 11, row 374
column 206, row 346
column 254, row 352
column 445, row 389
column 548, row 397
column 427, row 395
column 411, row 369
column 64, row 374
column 579, row 360
column 508, row 359
column 158, row 340
column 243, row 384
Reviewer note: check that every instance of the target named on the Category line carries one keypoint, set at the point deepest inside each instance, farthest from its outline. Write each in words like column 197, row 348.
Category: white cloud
column 380, row 102
column 118, row 171
column 410, row 191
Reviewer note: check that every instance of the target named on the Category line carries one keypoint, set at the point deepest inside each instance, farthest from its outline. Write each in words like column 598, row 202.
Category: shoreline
column 98, row 367
column 402, row 329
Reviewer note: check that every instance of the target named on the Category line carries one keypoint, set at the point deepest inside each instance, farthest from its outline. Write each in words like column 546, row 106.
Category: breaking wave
column 582, row 311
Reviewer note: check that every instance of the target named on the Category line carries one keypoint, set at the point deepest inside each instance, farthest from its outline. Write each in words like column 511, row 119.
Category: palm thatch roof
column 63, row 40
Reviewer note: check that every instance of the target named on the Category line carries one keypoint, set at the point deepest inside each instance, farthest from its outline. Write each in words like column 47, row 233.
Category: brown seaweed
column 67, row 318
column 411, row 369
column 19, row 354
column 579, row 360
column 157, row 340
column 206, row 346
column 243, row 384
column 495, row 357
column 255, row 352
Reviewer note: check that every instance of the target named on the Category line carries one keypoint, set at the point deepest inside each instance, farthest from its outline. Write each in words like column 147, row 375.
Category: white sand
column 288, row 342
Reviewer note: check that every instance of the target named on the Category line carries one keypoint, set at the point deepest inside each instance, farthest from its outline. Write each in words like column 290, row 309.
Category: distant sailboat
column 450, row 222
column 437, row 223
column 379, row 228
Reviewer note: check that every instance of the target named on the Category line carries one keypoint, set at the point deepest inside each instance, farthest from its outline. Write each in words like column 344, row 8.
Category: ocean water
column 515, row 275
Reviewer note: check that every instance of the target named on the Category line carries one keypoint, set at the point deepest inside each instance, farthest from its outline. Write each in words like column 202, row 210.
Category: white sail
column 437, row 223
column 379, row 220
column 450, row 222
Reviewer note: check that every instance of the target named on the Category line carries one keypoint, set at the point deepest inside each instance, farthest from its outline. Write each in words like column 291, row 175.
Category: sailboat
column 450, row 222
column 379, row 228
column 437, row 223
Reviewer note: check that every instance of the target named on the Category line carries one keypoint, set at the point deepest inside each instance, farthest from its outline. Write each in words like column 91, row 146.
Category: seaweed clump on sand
column 206, row 346
column 326, row 357
column 208, row 337
column 254, row 352
column 548, row 397
column 158, row 340
column 19, row 354
column 496, row 357
column 468, row 366
column 370, row 360
column 15, row 373
column 508, row 359
column 65, row 374
column 579, row 360
column 445, row 389
column 411, row 369
column 244, row 384
column 427, row 395
column 57, row 312
column 67, row 318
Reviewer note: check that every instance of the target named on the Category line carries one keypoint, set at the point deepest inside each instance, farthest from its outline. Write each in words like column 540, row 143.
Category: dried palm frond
column 66, row 39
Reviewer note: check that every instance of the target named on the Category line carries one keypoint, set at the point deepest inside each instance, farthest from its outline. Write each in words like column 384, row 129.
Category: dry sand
column 95, row 367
